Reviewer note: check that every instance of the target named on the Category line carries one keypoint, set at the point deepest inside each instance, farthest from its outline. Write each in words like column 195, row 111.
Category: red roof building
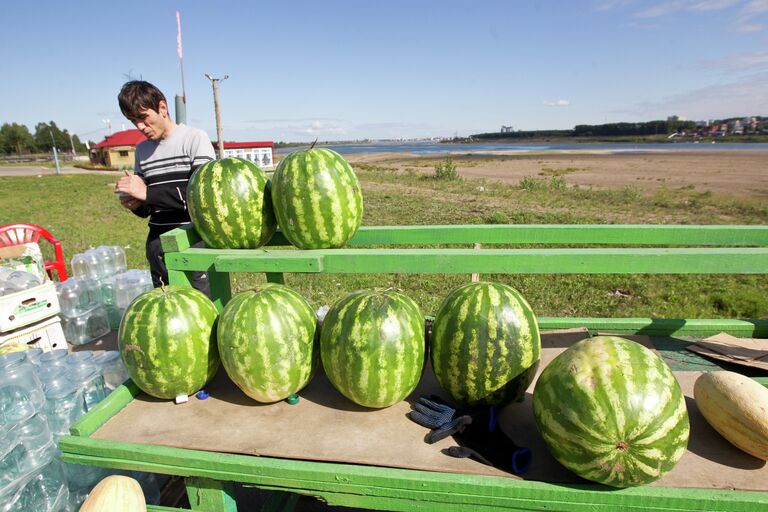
column 118, row 149
column 262, row 153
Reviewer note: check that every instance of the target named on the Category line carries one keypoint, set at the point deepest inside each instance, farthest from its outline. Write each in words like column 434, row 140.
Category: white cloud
column 557, row 103
column 666, row 8
column 750, row 62
column 749, row 27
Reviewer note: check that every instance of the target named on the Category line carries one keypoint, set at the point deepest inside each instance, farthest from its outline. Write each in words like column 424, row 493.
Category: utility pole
column 55, row 153
column 215, row 83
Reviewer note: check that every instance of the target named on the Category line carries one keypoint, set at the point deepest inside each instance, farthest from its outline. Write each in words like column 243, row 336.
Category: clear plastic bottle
column 36, row 437
column 22, row 280
column 64, row 404
column 131, row 284
column 21, row 394
column 87, row 377
column 53, row 357
column 90, row 264
column 7, row 288
column 86, row 327
column 77, row 295
column 112, row 368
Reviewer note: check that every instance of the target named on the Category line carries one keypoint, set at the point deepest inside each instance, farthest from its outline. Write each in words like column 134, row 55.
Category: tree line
column 16, row 139
column 599, row 130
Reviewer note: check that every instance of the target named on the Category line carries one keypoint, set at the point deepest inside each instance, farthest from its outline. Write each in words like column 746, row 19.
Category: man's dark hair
column 138, row 95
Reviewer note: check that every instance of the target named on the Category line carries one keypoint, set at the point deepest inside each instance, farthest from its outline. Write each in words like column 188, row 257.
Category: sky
column 352, row 70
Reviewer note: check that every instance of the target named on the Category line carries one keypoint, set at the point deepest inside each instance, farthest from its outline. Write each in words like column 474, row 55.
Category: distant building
column 118, row 149
column 260, row 153
column 507, row 129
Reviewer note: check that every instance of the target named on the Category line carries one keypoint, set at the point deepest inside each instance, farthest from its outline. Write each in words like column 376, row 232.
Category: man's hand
column 130, row 202
column 131, row 186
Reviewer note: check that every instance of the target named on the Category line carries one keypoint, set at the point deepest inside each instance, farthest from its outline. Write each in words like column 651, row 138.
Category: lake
column 428, row 148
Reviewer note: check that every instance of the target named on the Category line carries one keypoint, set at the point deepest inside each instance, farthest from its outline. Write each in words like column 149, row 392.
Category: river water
column 427, row 148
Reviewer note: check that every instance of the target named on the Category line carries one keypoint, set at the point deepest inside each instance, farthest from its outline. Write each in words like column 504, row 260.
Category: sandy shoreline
column 724, row 172
column 729, row 172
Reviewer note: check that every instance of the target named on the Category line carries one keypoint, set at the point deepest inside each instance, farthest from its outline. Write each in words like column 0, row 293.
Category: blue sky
column 345, row 70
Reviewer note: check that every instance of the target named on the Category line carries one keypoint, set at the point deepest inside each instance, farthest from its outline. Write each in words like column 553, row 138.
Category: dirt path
column 36, row 170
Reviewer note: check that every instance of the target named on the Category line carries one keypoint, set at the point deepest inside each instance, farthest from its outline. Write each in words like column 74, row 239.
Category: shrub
column 446, row 170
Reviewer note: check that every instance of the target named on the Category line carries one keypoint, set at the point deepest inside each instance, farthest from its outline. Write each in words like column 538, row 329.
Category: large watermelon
column 317, row 199
column 230, row 204
column 266, row 338
column 167, row 341
column 485, row 344
column 372, row 346
column 611, row 411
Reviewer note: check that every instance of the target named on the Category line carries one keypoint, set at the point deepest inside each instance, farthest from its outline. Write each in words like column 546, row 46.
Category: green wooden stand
column 620, row 249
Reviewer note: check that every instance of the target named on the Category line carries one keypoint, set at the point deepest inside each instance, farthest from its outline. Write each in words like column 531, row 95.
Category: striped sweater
column 166, row 166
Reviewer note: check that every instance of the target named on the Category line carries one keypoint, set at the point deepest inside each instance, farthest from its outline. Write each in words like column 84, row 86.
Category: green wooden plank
column 519, row 261
column 104, row 410
column 626, row 234
column 221, row 288
column 159, row 508
column 661, row 326
column 179, row 278
column 210, row 495
column 277, row 261
column 179, row 239
column 374, row 485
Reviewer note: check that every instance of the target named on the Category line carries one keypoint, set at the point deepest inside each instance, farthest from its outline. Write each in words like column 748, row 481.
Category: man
column 164, row 163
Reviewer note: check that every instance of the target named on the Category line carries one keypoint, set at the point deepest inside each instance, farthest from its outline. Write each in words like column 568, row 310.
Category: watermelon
column 372, row 346
column 611, row 411
column 317, row 199
column 266, row 338
column 230, row 204
column 485, row 344
column 167, row 341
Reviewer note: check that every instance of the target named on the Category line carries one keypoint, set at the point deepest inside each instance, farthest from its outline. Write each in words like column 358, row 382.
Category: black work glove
column 475, row 430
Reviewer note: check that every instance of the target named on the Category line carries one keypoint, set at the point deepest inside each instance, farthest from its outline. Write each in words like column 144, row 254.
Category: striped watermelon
column 317, row 198
column 485, row 344
column 168, row 342
column 611, row 411
column 266, row 338
column 372, row 346
column 230, row 204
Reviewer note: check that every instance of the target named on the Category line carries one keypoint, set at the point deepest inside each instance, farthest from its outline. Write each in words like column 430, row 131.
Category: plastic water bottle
column 21, row 394
column 113, row 257
column 112, row 368
column 53, row 357
column 64, row 404
column 22, row 280
column 7, row 288
column 87, row 376
column 90, row 264
column 77, row 295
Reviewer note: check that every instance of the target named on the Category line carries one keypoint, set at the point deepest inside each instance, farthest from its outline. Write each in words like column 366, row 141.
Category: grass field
column 82, row 211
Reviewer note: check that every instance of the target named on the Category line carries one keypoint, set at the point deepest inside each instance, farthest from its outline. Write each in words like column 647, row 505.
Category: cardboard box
column 46, row 334
column 28, row 306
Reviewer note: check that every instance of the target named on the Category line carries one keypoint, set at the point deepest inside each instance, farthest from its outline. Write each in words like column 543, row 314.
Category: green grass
column 82, row 211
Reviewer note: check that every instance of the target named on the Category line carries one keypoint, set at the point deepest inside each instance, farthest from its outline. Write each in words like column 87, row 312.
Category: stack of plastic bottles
column 12, row 281
column 41, row 395
column 94, row 300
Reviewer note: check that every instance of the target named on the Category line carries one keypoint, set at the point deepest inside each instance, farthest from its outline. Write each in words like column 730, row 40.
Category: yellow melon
column 115, row 494
column 737, row 407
